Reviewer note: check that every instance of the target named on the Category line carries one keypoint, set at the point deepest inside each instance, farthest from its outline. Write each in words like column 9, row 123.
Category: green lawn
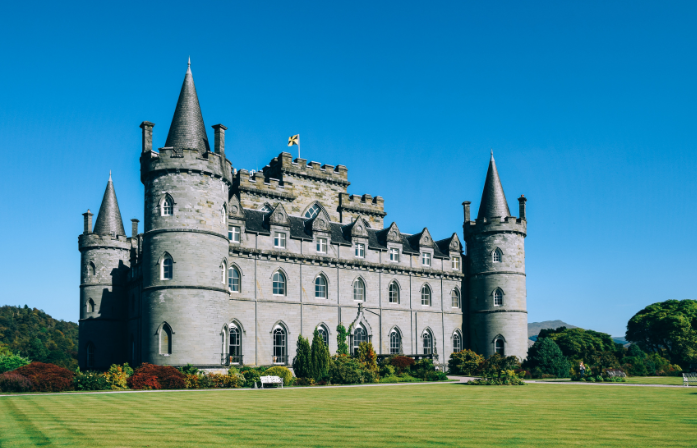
column 450, row 414
column 670, row 380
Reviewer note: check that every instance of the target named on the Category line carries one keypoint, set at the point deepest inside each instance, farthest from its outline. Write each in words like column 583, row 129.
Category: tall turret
column 105, row 257
column 496, row 272
column 185, row 244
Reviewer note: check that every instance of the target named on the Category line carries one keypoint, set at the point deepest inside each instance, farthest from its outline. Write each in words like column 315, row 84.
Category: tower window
column 279, row 284
column 166, row 340
column 394, row 293
column 223, row 273
column 456, row 263
column 312, row 211
column 426, row 295
column 322, row 245
column 279, row 240
column 455, row 296
column 394, row 255
column 359, row 290
column 499, row 347
column 360, row 250
column 498, row 298
column 426, row 259
column 498, row 256
column 233, row 234
column 233, row 279
column 90, row 306
column 457, row 342
column 321, row 287
column 167, row 206
column 167, row 268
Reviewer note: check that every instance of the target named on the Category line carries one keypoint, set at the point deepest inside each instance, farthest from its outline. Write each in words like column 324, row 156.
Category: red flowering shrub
column 14, row 382
column 402, row 363
column 167, row 377
column 47, row 377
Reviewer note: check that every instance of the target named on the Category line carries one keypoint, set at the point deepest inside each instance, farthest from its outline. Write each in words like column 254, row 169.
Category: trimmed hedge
column 47, row 377
column 150, row 376
column 14, row 382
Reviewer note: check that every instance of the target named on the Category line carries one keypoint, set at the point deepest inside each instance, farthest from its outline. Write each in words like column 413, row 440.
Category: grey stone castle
column 233, row 265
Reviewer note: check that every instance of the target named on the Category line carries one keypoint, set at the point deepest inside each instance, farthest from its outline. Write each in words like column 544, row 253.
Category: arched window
column 166, row 340
column 312, row 211
column 394, row 292
column 426, row 295
column 233, row 279
column 427, row 339
column 359, row 335
column 279, row 284
column 90, row 355
column 498, row 297
column 359, row 290
column 90, row 306
column 321, row 287
column 457, row 342
column 324, row 334
column 497, row 255
column 167, row 206
column 499, row 346
column 223, row 272
column 167, row 270
column 395, row 343
column 279, row 345
column 91, row 269
column 223, row 214
column 235, row 348
column 455, row 295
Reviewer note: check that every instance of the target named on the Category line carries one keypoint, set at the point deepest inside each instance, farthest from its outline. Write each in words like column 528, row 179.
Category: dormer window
column 456, row 263
column 322, row 245
column 279, row 240
column 360, row 250
column 426, row 259
column 312, row 211
column 394, row 255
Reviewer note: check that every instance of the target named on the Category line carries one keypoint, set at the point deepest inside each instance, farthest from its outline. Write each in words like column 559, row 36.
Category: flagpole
column 298, row 147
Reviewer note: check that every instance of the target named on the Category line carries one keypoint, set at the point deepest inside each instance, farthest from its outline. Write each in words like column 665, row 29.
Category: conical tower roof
column 109, row 218
column 493, row 202
column 187, row 130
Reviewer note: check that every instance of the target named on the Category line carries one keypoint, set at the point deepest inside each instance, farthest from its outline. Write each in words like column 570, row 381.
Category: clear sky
column 588, row 106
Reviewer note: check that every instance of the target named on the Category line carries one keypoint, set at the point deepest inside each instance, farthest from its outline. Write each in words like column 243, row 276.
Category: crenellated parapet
column 171, row 160
column 366, row 206
column 282, row 166
column 481, row 226
column 254, row 189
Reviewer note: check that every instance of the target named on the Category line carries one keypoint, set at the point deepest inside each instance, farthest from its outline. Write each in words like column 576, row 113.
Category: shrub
column 189, row 370
column 47, row 377
column 191, row 381
column 10, row 361
column 387, row 370
column 497, row 363
column 90, row 381
column 304, row 382
column 341, row 335
column 399, row 379
column 302, row 363
column 546, row 355
column 425, row 370
column 14, row 382
column 320, row 358
column 117, row 376
column 281, row 372
column 401, row 363
column 465, row 362
column 251, row 375
column 502, row 378
column 144, row 381
column 345, row 370
column 167, row 377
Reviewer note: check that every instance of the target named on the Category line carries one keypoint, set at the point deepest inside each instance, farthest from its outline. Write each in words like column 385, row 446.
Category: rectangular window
column 360, row 250
column 279, row 240
column 394, row 255
column 426, row 259
column 233, row 234
column 322, row 245
column 456, row 263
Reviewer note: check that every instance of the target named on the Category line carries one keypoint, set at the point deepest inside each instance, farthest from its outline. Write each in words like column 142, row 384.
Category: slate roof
column 493, row 202
column 109, row 217
column 187, row 130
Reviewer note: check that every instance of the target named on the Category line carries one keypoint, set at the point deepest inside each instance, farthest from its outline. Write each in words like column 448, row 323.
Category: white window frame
column 285, row 284
column 230, row 270
column 360, row 284
column 359, row 250
column 234, row 233
column 396, row 290
column 459, row 298
column 394, row 255
column 167, row 206
column 321, row 245
column 279, row 240
column 427, row 292
column 456, row 263
column 321, row 289
column 498, row 297
column 497, row 256
column 163, row 268
column 426, row 259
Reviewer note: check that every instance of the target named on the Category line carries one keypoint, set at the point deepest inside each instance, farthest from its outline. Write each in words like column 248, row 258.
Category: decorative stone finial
column 109, row 175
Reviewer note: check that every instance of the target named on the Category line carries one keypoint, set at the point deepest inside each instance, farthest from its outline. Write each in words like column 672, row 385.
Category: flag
column 294, row 140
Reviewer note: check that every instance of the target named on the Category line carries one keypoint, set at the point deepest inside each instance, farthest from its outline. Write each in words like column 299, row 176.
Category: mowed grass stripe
column 533, row 415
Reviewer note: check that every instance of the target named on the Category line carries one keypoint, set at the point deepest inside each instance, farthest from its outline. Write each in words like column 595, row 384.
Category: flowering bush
column 304, row 382
column 502, row 378
column 117, row 376
column 166, row 377
column 192, row 381
column 465, row 362
column 47, row 377
column 14, row 382
column 90, row 381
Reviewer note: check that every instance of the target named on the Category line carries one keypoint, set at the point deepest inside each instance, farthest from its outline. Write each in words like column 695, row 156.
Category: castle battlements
column 92, row 241
column 257, row 184
column 363, row 204
column 187, row 161
column 284, row 164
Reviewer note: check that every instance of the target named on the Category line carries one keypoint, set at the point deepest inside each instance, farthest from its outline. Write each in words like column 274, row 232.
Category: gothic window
column 279, row 345
column 235, row 347
column 497, row 255
column 427, row 339
column 322, row 245
column 456, row 263
column 90, row 355
column 321, row 287
column 426, row 295
column 279, row 284
column 167, row 269
column 91, row 269
column 426, row 259
column 395, row 342
column 359, row 335
column 223, row 214
column 394, row 255
column 279, row 240
column 360, row 250
column 499, row 346
column 455, row 295
column 324, row 334
column 457, row 342
column 167, row 206
column 233, row 279
column 166, row 340
column 394, row 292
column 90, row 306
column 498, row 297
column 223, row 273
column 359, row 290
column 233, row 234
column 312, row 211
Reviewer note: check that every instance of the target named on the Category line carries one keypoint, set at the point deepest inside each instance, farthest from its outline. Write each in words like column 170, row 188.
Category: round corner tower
column 496, row 273
column 185, row 244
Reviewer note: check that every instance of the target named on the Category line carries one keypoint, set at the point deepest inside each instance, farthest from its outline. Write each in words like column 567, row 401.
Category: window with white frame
column 233, row 233
column 321, row 287
column 426, row 259
column 235, row 347
column 395, row 342
column 279, row 284
column 312, row 211
column 167, row 206
column 455, row 296
column 279, row 345
column 394, row 255
column 394, row 292
column 359, row 336
column 427, row 340
column 223, row 273
column 457, row 342
column 426, row 295
column 233, row 279
column 279, row 240
column 499, row 347
column 498, row 298
column 359, row 290
column 322, row 245
column 167, row 270
column 360, row 250
column 324, row 334
column 456, row 263
column 223, row 214
column 497, row 255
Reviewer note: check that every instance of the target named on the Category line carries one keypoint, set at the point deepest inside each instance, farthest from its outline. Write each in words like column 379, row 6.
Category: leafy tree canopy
column 546, row 355
column 577, row 343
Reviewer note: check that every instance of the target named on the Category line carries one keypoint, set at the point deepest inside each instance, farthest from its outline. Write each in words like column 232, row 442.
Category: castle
column 233, row 265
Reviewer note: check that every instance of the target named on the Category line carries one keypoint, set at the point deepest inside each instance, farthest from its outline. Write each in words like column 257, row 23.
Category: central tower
column 185, row 243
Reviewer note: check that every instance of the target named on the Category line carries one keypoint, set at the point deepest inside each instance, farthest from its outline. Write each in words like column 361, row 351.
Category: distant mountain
column 535, row 327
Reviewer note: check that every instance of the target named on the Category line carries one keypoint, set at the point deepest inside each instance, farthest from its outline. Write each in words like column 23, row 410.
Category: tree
column 585, row 345
column 320, row 358
column 341, row 335
column 668, row 328
column 302, row 364
column 367, row 355
column 546, row 355
column 465, row 362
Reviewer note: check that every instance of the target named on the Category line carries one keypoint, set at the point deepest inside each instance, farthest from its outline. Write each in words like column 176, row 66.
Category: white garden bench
column 689, row 378
column 271, row 380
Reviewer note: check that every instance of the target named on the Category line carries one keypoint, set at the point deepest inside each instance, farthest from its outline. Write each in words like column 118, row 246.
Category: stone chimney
column 521, row 207
column 219, row 143
column 88, row 222
column 466, row 205
column 146, row 126
column 134, row 228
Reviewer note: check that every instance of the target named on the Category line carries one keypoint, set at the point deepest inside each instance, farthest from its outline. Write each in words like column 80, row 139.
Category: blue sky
column 589, row 107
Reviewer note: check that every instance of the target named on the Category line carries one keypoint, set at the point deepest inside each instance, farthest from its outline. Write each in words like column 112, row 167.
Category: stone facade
column 278, row 253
